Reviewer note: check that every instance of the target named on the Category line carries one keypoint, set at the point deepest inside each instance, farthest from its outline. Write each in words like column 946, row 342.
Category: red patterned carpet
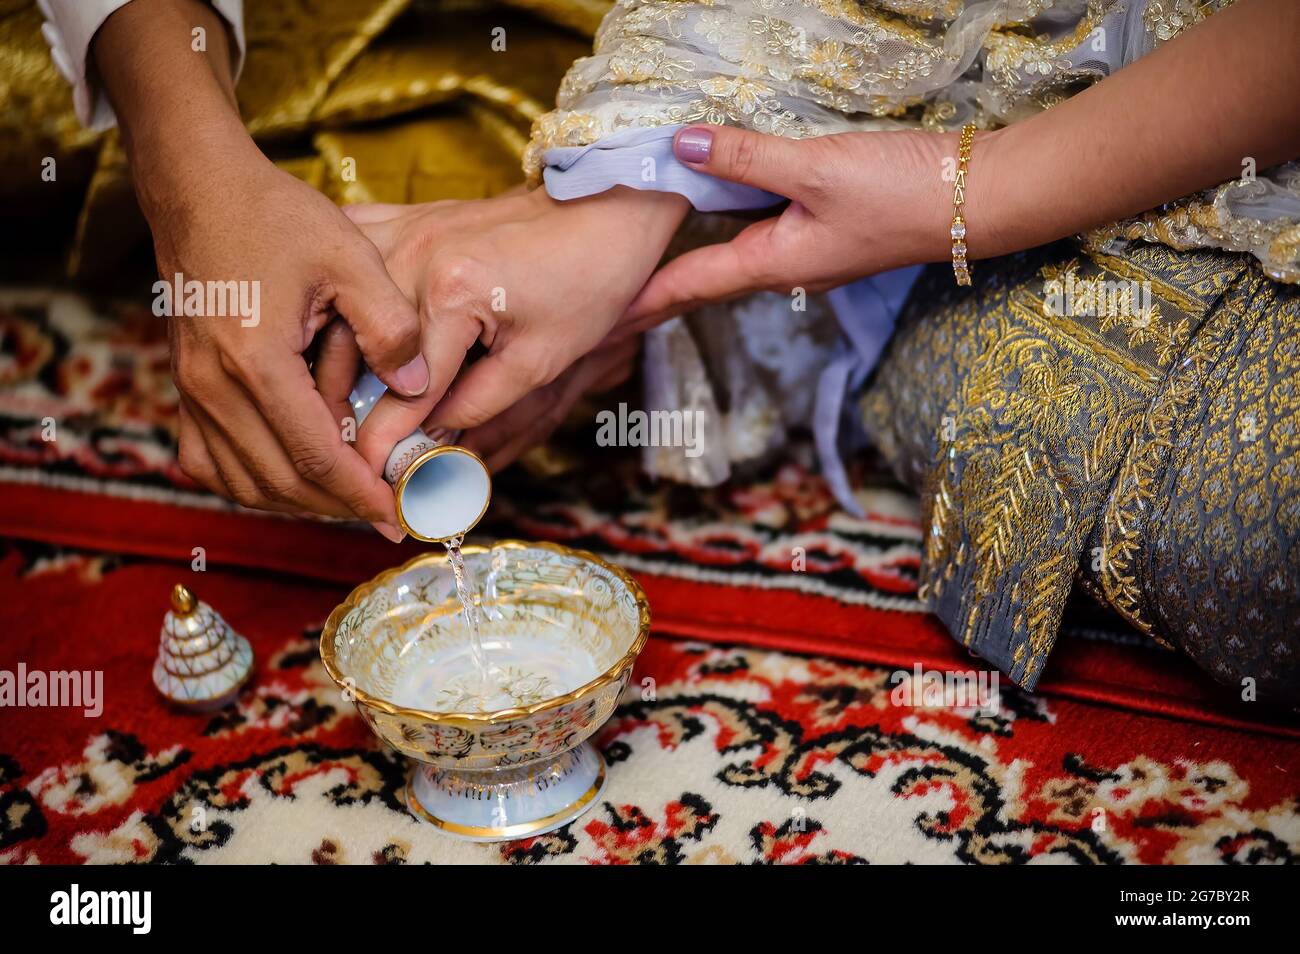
column 743, row 755
column 770, row 736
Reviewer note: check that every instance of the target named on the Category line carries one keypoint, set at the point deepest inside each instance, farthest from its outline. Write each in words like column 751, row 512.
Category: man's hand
column 253, row 425
column 538, row 282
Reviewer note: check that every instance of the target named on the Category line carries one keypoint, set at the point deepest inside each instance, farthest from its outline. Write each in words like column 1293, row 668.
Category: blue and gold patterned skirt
column 1126, row 419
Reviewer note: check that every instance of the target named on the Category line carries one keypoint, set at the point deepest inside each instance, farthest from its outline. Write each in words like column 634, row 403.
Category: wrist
column 175, row 104
column 993, row 226
column 645, row 219
column 658, row 213
column 930, row 224
column 984, row 211
column 173, row 184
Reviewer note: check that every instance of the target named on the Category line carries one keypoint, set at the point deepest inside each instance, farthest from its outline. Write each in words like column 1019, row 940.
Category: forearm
column 175, row 105
column 1181, row 119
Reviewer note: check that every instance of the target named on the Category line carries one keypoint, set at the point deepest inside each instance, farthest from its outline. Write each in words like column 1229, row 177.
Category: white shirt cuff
column 69, row 27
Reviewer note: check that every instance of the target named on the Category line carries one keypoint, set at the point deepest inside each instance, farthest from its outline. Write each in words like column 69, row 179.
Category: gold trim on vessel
column 475, row 719
column 419, row 462
column 521, row 830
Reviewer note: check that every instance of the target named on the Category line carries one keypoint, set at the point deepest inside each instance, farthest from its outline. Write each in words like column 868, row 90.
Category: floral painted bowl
column 573, row 622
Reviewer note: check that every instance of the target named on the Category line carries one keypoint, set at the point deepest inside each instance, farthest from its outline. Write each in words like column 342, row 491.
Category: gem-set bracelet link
column 960, row 270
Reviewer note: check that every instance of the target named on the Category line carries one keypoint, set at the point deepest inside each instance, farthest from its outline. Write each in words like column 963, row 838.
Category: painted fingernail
column 413, row 377
column 394, row 534
column 693, row 145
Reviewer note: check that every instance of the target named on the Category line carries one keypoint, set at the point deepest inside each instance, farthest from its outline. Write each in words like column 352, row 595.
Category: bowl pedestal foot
column 508, row 803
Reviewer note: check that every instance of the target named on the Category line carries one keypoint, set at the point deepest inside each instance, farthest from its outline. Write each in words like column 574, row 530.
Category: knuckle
column 187, row 383
column 765, row 278
column 182, row 364
column 244, row 365
column 760, row 267
column 471, row 414
column 191, row 381
column 395, row 335
column 246, row 494
column 318, row 465
column 231, row 365
column 193, row 462
column 744, row 155
column 537, row 367
column 456, row 277
column 752, row 273
column 375, row 444
column 198, row 468
column 281, row 488
column 538, row 373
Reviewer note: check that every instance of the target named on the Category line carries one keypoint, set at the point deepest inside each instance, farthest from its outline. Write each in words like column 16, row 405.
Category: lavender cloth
column 643, row 159
column 866, row 309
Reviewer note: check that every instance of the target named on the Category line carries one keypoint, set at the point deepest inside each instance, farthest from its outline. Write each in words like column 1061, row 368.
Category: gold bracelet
column 960, row 270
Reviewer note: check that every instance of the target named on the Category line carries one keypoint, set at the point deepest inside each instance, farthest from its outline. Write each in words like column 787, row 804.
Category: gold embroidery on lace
column 1205, row 220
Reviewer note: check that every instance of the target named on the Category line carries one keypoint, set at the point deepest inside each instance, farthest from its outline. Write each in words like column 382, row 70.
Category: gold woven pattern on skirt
column 1126, row 419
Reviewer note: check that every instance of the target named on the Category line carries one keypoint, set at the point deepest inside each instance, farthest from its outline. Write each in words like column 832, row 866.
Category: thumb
column 711, row 273
column 754, row 159
column 385, row 323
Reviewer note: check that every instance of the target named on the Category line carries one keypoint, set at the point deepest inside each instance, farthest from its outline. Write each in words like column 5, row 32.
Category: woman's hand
column 533, row 418
column 536, row 281
column 861, row 203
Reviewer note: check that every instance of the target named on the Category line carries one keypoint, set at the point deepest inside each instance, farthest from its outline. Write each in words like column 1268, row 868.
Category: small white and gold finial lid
column 202, row 663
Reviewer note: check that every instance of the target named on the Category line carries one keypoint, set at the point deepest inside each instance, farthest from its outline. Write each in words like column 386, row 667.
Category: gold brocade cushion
column 40, row 136
column 449, row 156
column 433, row 58
column 296, row 50
column 581, row 16
column 37, row 103
column 110, row 219
column 413, row 93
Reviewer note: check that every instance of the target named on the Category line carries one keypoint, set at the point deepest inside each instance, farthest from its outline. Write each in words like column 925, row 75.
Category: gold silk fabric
column 801, row 68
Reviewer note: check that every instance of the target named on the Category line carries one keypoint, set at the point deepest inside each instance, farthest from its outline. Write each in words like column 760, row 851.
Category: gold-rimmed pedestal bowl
column 513, row 772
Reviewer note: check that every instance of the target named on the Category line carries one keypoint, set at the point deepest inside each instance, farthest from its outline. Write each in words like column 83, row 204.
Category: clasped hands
column 555, row 292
